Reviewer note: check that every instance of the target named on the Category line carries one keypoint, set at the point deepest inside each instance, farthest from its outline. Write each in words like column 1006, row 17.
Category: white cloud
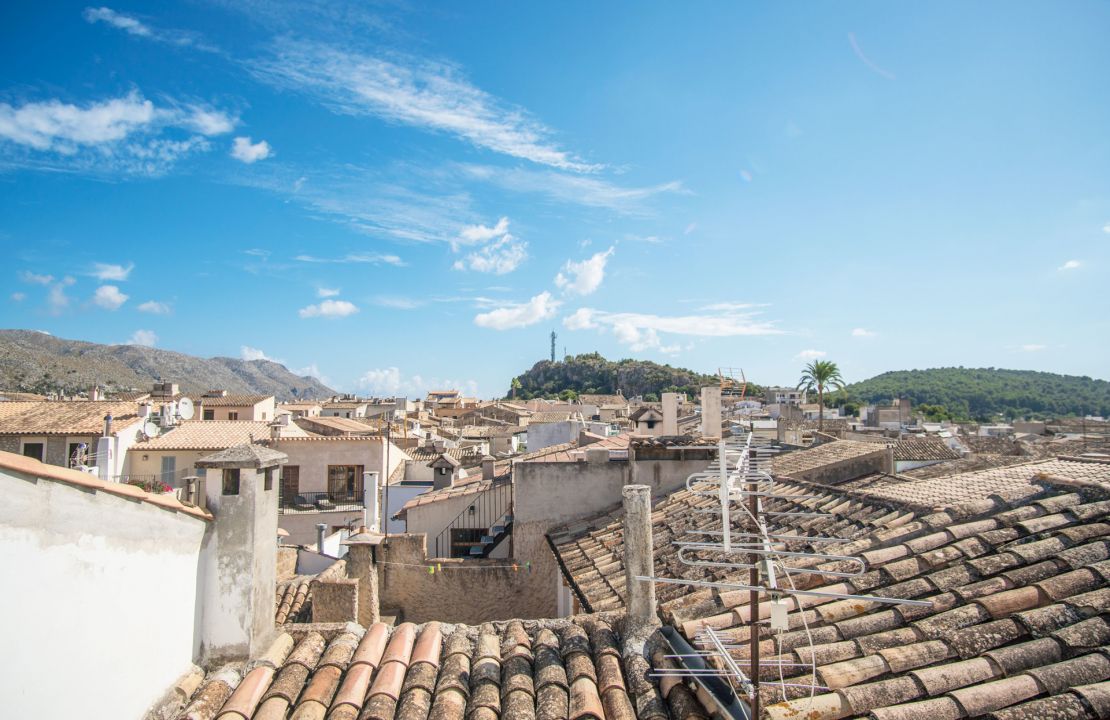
column 583, row 278
column 119, row 134
column 1033, row 347
column 145, row 338
column 1106, row 228
column 109, row 297
column 35, row 279
column 247, row 352
column 155, row 308
column 473, row 234
column 499, row 257
column 541, row 307
column 1070, row 265
column 690, row 228
column 731, row 307
column 312, row 371
column 56, row 299
column 128, row 24
column 18, row 296
column 371, row 258
column 414, row 92
column 329, row 308
column 242, row 149
column 398, row 302
column 641, row 331
column 863, row 332
column 810, row 355
column 105, row 271
column 327, row 292
column 391, row 381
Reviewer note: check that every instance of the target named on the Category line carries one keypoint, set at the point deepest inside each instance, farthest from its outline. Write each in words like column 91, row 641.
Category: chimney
column 670, row 413
column 370, row 501
column 108, row 425
column 94, row 393
column 597, row 455
column 239, row 555
column 638, row 556
column 487, row 467
column 711, row 411
column 321, row 533
column 439, row 445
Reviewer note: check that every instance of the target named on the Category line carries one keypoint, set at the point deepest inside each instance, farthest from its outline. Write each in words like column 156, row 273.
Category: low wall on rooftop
column 106, row 583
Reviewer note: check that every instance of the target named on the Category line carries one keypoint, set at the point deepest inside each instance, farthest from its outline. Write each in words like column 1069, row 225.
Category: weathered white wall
column 548, row 434
column 106, row 583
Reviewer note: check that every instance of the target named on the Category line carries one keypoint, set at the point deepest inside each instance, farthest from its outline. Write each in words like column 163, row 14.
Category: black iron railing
column 475, row 521
column 317, row 502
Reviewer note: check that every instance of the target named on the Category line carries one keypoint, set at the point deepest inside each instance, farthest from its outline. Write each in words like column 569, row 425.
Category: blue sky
column 396, row 197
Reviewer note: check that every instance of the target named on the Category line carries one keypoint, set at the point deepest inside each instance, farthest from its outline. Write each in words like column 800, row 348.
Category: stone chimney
column 711, row 411
column 487, row 467
column 597, row 455
column 239, row 557
column 639, row 550
column 670, row 413
column 362, row 556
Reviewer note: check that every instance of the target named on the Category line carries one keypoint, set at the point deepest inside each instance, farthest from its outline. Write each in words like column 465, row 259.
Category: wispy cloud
column 640, row 331
column 329, row 309
column 155, row 308
column 391, row 381
column 690, row 228
column 474, row 234
column 518, row 315
column 1106, row 228
column 398, row 302
column 810, row 355
column 564, row 187
column 243, row 150
column 584, row 277
column 862, row 333
column 143, row 338
column 247, row 352
column 327, row 292
column 1033, row 347
column 1070, row 265
column 56, row 299
column 35, row 279
column 136, row 27
column 109, row 297
column 865, row 60
column 127, row 134
column 106, row 271
column 365, row 257
column 415, row 92
column 18, row 297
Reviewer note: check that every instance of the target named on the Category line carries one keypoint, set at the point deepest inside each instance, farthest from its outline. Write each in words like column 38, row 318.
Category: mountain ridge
column 32, row 361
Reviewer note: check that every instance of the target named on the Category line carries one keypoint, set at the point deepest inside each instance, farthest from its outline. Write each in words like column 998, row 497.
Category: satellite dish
column 185, row 408
column 150, row 429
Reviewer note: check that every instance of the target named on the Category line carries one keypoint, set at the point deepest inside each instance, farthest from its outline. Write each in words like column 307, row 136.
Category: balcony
column 316, row 502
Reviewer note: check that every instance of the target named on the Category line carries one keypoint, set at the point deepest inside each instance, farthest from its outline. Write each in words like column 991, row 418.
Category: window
column 233, row 416
column 34, row 450
column 650, row 424
column 345, row 482
column 231, row 481
column 209, row 414
column 263, row 416
column 268, row 476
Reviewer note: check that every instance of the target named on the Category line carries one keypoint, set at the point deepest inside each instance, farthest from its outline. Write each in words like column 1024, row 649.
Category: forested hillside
column 591, row 373
column 983, row 393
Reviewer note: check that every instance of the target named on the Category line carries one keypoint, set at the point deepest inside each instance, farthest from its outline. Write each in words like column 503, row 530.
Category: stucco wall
column 184, row 463
column 109, row 584
column 881, row 461
column 548, row 434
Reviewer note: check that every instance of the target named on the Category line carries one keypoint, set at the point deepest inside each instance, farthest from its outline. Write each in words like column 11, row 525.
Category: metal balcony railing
column 326, row 501
column 481, row 525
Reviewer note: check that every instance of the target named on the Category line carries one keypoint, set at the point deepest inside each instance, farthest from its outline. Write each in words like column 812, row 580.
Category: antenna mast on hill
column 553, row 336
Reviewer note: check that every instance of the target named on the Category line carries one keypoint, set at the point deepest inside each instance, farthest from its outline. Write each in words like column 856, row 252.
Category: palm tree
column 818, row 375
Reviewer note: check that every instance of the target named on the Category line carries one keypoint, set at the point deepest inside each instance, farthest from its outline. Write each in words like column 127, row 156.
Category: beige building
column 218, row 405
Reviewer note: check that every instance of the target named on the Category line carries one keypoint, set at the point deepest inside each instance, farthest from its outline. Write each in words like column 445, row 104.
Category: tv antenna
column 740, row 480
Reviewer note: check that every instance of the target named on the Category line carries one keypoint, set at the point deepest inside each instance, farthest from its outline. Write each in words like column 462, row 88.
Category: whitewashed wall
column 105, row 585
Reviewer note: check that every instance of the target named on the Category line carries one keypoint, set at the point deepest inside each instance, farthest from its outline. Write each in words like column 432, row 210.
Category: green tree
column 818, row 375
column 515, row 387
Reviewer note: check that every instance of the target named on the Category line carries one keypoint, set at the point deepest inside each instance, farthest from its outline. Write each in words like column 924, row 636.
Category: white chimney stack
column 370, row 501
column 670, row 413
column 711, row 411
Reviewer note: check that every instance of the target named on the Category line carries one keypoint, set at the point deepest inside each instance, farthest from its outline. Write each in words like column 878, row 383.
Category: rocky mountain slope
column 36, row 362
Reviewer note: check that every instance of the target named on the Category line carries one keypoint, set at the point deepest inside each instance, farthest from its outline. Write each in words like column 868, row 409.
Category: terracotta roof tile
column 65, row 417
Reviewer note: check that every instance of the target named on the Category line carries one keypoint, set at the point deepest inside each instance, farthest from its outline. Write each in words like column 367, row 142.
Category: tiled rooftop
column 64, row 417
column 213, row 435
column 802, row 461
column 551, row 417
column 923, row 448
column 233, row 400
column 521, row 670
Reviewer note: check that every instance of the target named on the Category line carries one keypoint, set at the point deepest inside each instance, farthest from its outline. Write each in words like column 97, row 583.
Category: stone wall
column 881, row 461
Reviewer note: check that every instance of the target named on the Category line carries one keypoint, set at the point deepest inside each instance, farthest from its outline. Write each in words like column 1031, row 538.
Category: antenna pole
column 753, row 597
column 553, row 337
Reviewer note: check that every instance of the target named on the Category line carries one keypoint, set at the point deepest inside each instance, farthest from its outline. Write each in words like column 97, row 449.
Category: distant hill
column 982, row 393
column 592, row 374
column 35, row 362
